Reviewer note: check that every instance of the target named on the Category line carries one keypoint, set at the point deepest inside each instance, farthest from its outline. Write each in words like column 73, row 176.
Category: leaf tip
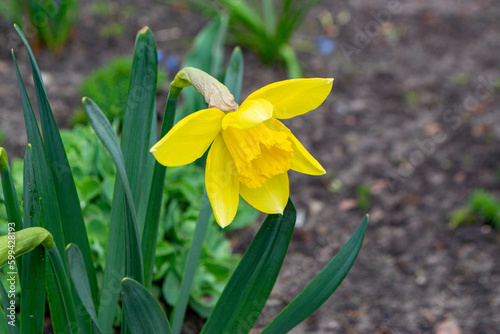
column 4, row 161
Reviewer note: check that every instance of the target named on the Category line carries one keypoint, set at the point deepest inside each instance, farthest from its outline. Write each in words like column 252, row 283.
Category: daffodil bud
column 21, row 242
column 4, row 161
column 215, row 93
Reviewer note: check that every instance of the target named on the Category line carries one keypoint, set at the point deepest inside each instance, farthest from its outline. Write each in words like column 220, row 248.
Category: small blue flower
column 325, row 44
column 161, row 55
column 172, row 64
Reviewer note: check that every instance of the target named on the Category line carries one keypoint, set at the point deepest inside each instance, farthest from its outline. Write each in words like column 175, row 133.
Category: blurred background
column 410, row 134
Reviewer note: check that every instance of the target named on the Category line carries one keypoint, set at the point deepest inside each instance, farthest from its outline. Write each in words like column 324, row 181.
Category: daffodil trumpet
column 251, row 151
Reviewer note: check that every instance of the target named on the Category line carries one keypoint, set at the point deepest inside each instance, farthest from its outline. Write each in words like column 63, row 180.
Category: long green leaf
column 33, row 269
column 135, row 147
column 79, row 277
column 9, row 192
column 234, row 73
column 144, row 313
column 122, row 194
column 48, row 199
column 69, row 204
column 150, row 234
column 3, row 322
column 207, row 52
column 321, row 287
column 250, row 286
column 10, row 313
column 141, row 109
column 63, row 291
column 143, row 206
column 108, row 137
column 192, row 263
column 62, row 318
column 12, row 207
column 106, row 134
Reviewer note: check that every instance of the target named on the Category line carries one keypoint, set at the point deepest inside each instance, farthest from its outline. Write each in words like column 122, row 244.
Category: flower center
column 258, row 153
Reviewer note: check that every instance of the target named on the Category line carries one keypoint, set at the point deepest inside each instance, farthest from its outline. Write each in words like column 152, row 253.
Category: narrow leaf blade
column 79, row 277
column 234, row 74
column 60, row 292
column 10, row 195
column 49, row 212
column 106, row 134
column 33, row 269
column 69, row 204
column 139, row 115
column 321, row 287
column 144, row 313
column 10, row 314
column 120, row 211
column 248, row 289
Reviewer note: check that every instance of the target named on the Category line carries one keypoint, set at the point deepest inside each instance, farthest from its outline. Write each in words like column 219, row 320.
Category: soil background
column 413, row 115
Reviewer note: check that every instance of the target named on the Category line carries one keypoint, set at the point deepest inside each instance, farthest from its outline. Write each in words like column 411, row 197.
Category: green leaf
column 78, row 274
column 144, row 313
column 49, row 212
column 62, row 292
column 192, row 263
column 135, row 146
column 248, row 289
column 10, row 313
column 11, row 201
column 33, row 268
column 4, row 328
column 69, row 205
column 234, row 74
column 123, row 208
column 207, row 52
column 48, row 200
column 293, row 69
column 139, row 115
column 109, row 139
column 321, row 287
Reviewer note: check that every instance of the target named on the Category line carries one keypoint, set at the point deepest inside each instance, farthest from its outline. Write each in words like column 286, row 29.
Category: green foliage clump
column 481, row 206
column 265, row 27
column 48, row 22
column 108, row 87
column 364, row 197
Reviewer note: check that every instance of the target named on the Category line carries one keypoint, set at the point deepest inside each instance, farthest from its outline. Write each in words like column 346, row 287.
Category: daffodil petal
column 302, row 161
column 294, row 97
column 271, row 197
column 249, row 115
column 221, row 181
column 189, row 138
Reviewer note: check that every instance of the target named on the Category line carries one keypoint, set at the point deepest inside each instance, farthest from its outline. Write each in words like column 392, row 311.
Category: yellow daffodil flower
column 252, row 150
